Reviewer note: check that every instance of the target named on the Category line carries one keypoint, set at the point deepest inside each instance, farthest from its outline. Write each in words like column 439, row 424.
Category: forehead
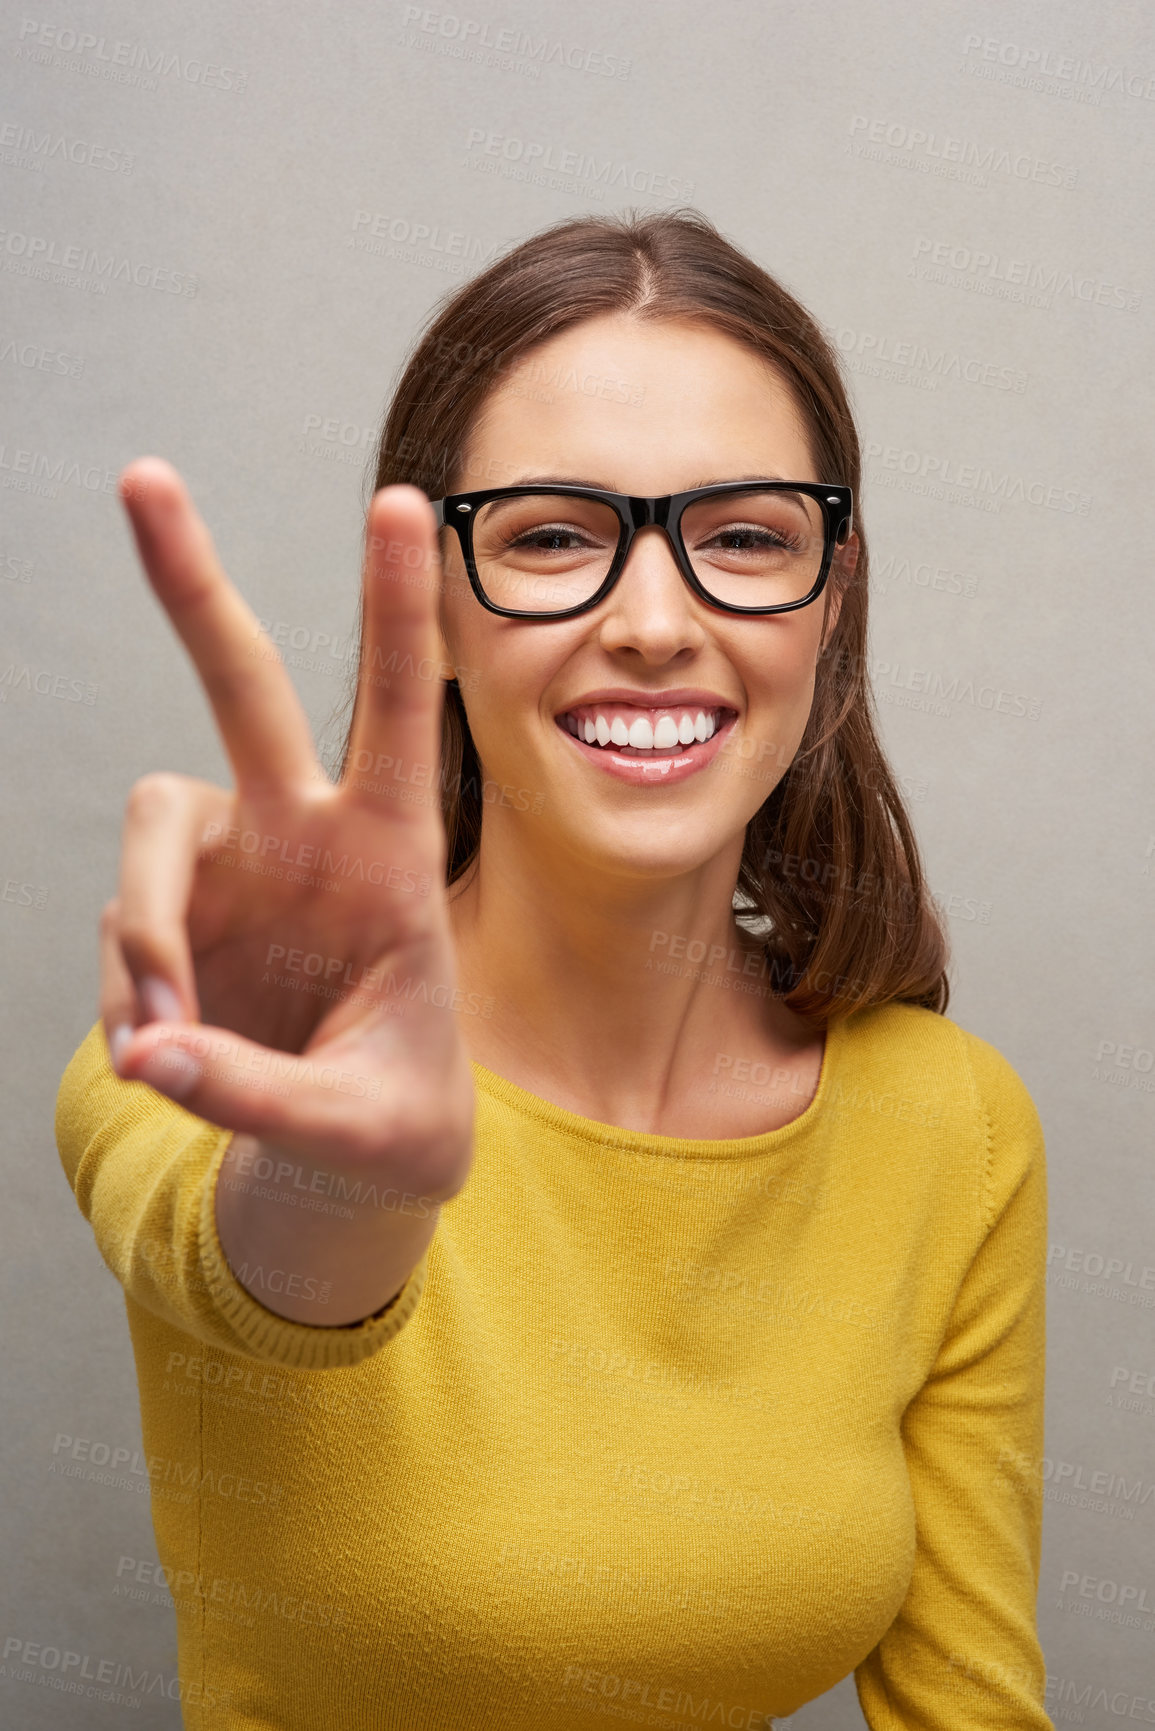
column 649, row 400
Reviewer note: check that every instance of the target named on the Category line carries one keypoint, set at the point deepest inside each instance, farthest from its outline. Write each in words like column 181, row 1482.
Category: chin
column 649, row 845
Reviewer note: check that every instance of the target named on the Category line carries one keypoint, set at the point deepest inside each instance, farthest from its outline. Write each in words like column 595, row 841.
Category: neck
column 612, row 992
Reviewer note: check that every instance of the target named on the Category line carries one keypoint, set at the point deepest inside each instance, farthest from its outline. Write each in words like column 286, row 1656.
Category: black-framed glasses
column 550, row 551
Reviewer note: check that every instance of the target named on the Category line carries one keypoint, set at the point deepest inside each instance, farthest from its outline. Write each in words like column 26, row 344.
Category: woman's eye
column 752, row 537
column 540, row 536
column 537, row 539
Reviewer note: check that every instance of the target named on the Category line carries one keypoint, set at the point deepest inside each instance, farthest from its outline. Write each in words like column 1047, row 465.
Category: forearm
column 316, row 1245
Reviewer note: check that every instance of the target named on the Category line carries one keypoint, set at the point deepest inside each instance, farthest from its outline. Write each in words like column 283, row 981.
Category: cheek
column 508, row 675
column 498, row 694
column 780, row 670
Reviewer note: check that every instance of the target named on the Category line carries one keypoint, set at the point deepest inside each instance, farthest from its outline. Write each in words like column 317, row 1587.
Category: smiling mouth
column 633, row 732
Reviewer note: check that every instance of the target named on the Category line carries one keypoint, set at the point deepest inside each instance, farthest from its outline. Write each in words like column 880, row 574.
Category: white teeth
column 642, row 734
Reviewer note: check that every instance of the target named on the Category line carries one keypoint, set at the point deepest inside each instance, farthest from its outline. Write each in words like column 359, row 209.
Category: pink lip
column 672, row 699
column 653, row 769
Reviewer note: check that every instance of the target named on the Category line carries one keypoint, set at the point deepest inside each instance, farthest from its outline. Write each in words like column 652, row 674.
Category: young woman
column 574, row 1264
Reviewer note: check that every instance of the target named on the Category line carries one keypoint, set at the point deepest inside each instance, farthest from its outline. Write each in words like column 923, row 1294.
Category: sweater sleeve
column 963, row 1650
column 143, row 1171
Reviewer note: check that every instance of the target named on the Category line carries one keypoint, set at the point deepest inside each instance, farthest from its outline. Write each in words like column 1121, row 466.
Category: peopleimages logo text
column 537, row 154
column 1042, row 279
column 478, row 33
column 1066, row 68
column 40, row 249
column 917, row 141
column 1001, row 487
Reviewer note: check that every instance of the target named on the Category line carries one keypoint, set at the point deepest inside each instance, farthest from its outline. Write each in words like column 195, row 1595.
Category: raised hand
column 279, row 957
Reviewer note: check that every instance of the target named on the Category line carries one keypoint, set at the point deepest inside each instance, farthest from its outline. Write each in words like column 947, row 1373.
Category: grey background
column 847, row 147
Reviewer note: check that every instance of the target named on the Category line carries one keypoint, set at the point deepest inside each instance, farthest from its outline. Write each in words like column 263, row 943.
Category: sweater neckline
column 574, row 1124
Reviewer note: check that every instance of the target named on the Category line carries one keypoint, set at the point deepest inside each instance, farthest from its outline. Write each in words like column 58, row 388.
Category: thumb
column 302, row 1102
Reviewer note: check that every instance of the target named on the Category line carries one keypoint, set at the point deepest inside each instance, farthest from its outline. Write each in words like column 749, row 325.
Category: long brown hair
column 831, row 875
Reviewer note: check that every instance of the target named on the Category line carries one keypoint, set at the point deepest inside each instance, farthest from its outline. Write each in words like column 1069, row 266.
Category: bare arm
column 314, row 1244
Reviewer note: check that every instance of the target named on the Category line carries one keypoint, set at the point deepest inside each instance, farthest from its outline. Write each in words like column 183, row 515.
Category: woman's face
column 699, row 407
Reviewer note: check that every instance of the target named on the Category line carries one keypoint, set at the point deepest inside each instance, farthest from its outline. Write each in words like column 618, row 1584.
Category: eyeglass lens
column 544, row 552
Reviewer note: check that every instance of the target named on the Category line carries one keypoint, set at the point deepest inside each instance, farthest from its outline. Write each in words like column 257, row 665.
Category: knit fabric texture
column 666, row 1430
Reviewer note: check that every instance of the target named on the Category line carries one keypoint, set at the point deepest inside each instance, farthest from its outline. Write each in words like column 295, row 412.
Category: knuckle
column 227, row 685
column 141, row 944
column 156, row 792
column 354, row 1141
column 444, row 1172
column 110, row 916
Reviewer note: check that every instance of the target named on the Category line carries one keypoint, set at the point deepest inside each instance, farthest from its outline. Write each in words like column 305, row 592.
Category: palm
column 294, row 952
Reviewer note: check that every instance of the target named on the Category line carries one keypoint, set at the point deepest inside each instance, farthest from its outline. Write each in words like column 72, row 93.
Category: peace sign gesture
column 288, row 942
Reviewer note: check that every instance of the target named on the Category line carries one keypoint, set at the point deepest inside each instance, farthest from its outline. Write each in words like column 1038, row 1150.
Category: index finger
column 265, row 731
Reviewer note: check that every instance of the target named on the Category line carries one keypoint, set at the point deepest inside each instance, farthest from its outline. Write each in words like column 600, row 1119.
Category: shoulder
column 967, row 1085
column 936, row 1053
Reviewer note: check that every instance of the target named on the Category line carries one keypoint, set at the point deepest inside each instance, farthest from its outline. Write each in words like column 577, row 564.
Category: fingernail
column 120, row 1037
column 171, row 1071
column 159, row 1000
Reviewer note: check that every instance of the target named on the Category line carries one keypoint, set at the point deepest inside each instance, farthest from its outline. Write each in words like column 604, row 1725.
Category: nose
column 651, row 608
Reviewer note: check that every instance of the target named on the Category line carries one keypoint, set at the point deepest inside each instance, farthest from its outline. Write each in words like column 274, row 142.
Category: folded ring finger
column 165, row 821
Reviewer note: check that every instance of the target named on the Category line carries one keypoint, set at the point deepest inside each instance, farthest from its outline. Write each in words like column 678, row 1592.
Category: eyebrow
column 605, row 487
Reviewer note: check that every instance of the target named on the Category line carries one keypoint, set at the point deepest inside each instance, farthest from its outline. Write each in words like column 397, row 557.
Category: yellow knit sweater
column 669, row 1431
